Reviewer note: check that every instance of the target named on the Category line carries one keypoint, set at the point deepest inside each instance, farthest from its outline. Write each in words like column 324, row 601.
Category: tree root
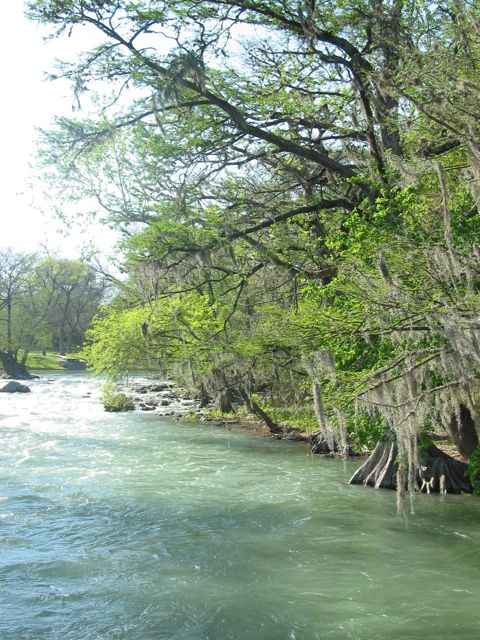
column 443, row 474
column 321, row 446
column 439, row 473
column 380, row 469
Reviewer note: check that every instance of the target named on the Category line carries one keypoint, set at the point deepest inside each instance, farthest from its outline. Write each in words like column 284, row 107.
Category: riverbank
column 440, row 471
column 165, row 398
column 144, row 394
column 51, row 361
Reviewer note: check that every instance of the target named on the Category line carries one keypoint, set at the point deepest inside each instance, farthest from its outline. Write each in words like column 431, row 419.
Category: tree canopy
column 45, row 303
column 298, row 185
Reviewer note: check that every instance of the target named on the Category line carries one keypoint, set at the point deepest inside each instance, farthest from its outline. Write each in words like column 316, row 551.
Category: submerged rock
column 15, row 387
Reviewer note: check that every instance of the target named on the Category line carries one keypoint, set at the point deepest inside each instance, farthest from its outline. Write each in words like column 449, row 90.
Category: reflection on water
column 133, row 527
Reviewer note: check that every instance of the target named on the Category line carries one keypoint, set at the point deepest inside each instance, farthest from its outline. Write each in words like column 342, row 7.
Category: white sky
column 29, row 101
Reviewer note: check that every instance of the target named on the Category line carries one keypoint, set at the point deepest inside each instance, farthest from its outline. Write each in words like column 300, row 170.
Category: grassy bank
column 301, row 418
column 51, row 360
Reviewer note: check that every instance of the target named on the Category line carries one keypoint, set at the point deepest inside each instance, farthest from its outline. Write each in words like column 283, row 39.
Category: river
column 137, row 527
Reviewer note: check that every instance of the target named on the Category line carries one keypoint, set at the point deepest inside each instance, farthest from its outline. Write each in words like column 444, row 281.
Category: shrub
column 114, row 401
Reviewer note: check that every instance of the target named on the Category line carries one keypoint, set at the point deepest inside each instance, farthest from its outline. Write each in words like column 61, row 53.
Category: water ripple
column 134, row 527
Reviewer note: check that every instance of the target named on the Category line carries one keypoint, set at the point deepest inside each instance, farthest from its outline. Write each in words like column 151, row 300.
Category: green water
column 133, row 527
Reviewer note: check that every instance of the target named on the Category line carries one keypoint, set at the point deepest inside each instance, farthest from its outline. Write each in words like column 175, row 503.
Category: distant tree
column 44, row 302
column 71, row 294
column 15, row 272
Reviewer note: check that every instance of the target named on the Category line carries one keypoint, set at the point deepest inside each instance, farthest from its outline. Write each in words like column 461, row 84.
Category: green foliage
column 115, row 401
column 114, row 341
column 45, row 302
column 473, row 471
column 176, row 328
column 366, row 430
column 300, row 417
column 314, row 196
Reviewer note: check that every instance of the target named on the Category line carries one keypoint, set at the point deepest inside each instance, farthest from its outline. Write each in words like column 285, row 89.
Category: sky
column 28, row 102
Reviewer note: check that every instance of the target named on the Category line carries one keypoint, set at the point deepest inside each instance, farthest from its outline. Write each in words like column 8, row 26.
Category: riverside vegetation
column 298, row 187
column 46, row 303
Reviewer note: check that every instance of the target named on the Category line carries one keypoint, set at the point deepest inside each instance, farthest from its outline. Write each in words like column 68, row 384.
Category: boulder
column 147, row 407
column 74, row 364
column 158, row 387
column 15, row 387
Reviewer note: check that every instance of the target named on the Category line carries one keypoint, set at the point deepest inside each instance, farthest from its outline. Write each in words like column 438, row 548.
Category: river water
column 131, row 526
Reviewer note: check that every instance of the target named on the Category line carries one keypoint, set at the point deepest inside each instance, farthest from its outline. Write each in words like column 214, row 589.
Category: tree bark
column 9, row 325
column 439, row 472
column 12, row 367
column 443, row 474
column 463, row 433
column 61, row 341
column 380, row 468
column 204, row 397
column 224, row 400
column 254, row 408
column 320, row 446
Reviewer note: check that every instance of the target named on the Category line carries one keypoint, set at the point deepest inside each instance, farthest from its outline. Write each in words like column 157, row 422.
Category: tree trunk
column 463, row 433
column 61, row 342
column 26, row 351
column 13, row 368
column 439, row 473
column 320, row 446
column 204, row 397
column 224, row 400
column 380, row 468
column 254, row 408
column 9, row 325
column 443, row 474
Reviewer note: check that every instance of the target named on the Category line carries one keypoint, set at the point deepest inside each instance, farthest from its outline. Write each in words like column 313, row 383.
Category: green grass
column 302, row 418
column 36, row 360
column 299, row 417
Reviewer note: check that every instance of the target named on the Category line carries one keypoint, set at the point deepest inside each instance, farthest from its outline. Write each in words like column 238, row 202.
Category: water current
column 137, row 527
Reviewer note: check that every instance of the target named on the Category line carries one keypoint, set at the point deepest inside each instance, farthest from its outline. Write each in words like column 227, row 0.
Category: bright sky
column 28, row 102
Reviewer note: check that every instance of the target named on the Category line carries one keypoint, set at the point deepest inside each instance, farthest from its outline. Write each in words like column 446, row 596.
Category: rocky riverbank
column 166, row 398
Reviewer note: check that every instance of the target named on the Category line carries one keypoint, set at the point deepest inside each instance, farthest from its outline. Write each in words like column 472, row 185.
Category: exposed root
column 443, row 474
column 323, row 445
column 380, row 468
column 440, row 473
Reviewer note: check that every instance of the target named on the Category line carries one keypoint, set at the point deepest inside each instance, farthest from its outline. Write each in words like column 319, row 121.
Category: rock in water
column 15, row 387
